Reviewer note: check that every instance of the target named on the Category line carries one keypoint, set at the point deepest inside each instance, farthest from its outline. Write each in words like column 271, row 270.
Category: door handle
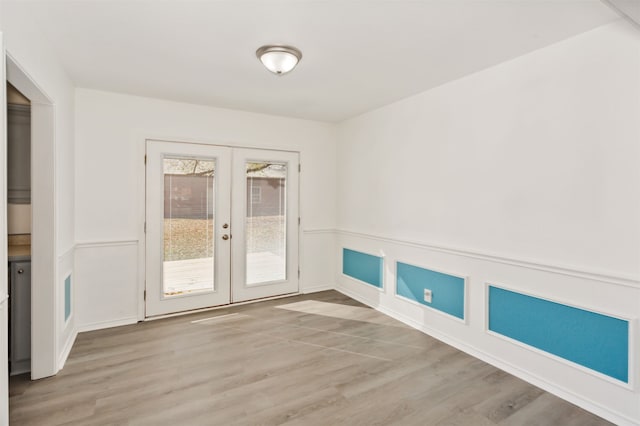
column 225, row 237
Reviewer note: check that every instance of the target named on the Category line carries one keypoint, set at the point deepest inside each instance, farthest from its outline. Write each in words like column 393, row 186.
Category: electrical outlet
column 427, row 295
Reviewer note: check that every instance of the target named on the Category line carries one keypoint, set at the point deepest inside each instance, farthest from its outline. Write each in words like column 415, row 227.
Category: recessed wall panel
column 362, row 266
column 67, row 297
column 587, row 338
column 447, row 291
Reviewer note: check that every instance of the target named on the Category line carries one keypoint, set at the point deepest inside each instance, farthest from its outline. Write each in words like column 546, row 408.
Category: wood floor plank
column 319, row 359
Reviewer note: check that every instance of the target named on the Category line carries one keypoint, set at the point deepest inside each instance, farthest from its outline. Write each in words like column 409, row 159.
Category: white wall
column 525, row 174
column 536, row 158
column 52, row 164
column 110, row 130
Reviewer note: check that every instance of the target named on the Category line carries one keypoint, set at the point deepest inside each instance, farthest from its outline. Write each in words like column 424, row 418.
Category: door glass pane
column 188, row 265
column 266, row 230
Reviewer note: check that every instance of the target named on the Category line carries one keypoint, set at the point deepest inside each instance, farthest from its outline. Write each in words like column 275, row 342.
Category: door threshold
column 215, row 308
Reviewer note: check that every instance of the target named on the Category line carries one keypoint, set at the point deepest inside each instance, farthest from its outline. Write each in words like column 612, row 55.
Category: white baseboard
column 107, row 324
column 552, row 388
column 64, row 355
column 317, row 288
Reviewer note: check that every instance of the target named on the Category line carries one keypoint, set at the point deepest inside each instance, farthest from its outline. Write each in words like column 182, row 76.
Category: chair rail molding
column 573, row 271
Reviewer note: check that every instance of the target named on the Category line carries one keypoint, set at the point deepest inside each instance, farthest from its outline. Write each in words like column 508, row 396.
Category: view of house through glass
column 188, row 264
column 266, row 230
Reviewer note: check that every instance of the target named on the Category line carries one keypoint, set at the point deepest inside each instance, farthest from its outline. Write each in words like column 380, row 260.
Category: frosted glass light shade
column 279, row 59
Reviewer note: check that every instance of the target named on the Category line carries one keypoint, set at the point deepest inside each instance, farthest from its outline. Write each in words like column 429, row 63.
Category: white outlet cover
column 427, row 295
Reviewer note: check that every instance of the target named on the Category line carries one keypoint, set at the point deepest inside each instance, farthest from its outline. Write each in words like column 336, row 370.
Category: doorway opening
column 44, row 322
column 19, row 229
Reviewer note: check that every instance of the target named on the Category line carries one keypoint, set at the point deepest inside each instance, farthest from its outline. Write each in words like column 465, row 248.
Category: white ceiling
column 358, row 55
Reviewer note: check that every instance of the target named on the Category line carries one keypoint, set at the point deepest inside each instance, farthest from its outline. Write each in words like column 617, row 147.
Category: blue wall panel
column 447, row 291
column 362, row 266
column 593, row 340
column 67, row 297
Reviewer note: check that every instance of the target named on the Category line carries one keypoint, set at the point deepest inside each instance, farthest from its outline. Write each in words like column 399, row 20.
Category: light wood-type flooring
column 318, row 359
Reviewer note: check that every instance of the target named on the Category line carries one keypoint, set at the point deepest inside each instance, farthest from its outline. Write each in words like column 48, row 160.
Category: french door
column 221, row 225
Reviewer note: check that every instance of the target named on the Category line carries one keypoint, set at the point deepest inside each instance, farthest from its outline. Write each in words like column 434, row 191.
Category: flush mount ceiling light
column 279, row 59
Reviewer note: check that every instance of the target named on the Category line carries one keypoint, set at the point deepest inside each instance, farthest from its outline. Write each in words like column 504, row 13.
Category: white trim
column 540, row 382
column 317, row 288
column 382, row 256
column 66, row 350
column 4, row 281
column 634, row 353
column 215, row 308
column 319, row 231
column 203, row 141
column 28, row 85
column 631, row 337
column 141, row 172
column 606, row 277
column 567, row 362
column 369, row 285
column 67, row 252
column 431, row 309
column 465, row 283
column 111, row 243
column 107, row 324
column 44, row 270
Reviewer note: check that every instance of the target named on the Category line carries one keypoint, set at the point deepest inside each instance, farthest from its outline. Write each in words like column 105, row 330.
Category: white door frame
column 44, row 315
column 141, row 184
column 4, row 303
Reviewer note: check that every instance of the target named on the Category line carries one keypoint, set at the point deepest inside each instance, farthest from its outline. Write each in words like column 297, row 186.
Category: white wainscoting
column 107, row 288
column 67, row 330
column 317, row 262
column 106, row 285
column 593, row 290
